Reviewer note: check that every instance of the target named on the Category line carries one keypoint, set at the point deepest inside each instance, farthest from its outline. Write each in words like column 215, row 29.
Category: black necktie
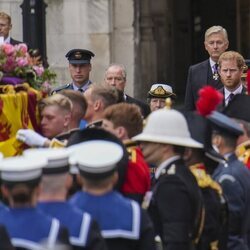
column 230, row 98
column 80, row 90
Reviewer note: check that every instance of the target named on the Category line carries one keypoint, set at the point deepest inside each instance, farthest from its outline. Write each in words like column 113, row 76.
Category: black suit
column 145, row 109
column 14, row 42
column 199, row 75
column 222, row 105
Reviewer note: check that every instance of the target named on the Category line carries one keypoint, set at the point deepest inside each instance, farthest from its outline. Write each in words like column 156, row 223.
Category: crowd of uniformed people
column 108, row 171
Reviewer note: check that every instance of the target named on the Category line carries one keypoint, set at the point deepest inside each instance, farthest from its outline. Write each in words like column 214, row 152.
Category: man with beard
column 231, row 66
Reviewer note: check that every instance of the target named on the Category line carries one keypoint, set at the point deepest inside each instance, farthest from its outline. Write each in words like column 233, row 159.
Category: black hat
column 224, row 124
column 96, row 159
column 58, row 159
column 200, row 131
column 238, row 108
column 89, row 134
column 22, row 169
column 79, row 56
column 160, row 90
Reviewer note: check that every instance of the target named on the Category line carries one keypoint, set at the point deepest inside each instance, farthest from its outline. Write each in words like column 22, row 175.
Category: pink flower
column 21, row 61
column 9, row 65
column 46, row 87
column 38, row 69
column 22, row 47
column 8, row 49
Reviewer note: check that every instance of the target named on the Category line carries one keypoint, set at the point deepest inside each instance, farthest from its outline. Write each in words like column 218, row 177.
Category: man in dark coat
column 206, row 73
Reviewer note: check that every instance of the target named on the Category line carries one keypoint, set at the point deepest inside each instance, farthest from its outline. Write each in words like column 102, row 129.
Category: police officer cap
column 21, row 169
column 58, row 159
column 238, row 108
column 159, row 90
column 224, row 124
column 96, row 159
column 201, row 131
column 79, row 56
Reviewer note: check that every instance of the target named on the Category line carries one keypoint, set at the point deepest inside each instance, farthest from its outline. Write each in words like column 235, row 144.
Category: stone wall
column 103, row 26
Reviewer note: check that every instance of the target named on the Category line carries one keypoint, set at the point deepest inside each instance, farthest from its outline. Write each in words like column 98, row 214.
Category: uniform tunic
column 30, row 228
column 176, row 205
column 123, row 224
column 234, row 180
column 84, row 232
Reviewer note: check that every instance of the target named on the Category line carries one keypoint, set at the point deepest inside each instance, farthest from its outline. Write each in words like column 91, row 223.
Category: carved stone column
column 145, row 49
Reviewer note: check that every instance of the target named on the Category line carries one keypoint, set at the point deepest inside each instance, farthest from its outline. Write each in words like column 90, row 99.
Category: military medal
column 216, row 76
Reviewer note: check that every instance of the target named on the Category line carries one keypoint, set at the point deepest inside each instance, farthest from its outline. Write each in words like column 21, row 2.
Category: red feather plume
column 209, row 99
column 248, row 81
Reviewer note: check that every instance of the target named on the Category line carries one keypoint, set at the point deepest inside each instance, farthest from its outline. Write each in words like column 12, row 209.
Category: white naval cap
column 21, row 169
column 58, row 159
column 161, row 90
column 96, row 158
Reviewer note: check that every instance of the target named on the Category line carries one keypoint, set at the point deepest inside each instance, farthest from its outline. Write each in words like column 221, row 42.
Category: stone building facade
column 155, row 40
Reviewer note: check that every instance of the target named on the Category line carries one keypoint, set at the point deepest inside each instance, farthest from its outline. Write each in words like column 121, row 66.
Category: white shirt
column 235, row 92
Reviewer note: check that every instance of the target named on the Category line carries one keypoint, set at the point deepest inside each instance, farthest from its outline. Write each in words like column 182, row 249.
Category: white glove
column 30, row 137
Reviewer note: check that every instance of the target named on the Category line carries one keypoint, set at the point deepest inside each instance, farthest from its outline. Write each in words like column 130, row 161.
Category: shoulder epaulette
column 54, row 91
column 132, row 153
column 204, row 180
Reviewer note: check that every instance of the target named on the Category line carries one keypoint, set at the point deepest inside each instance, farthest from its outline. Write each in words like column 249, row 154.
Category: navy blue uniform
column 29, row 228
column 70, row 86
column 234, row 179
column 123, row 223
column 84, row 232
column 176, row 205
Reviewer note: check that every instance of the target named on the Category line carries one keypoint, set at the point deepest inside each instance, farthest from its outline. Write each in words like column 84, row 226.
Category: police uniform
column 234, row 180
column 124, row 225
column 76, row 56
column 83, row 231
column 27, row 226
column 137, row 178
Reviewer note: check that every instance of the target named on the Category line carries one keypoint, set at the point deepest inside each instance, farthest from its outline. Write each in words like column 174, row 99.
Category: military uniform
column 137, row 177
column 124, row 225
column 76, row 56
column 83, row 231
column 27, row 226
column 234, row 179
column 243, row 153
column 176, row 206
column 215, row 210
